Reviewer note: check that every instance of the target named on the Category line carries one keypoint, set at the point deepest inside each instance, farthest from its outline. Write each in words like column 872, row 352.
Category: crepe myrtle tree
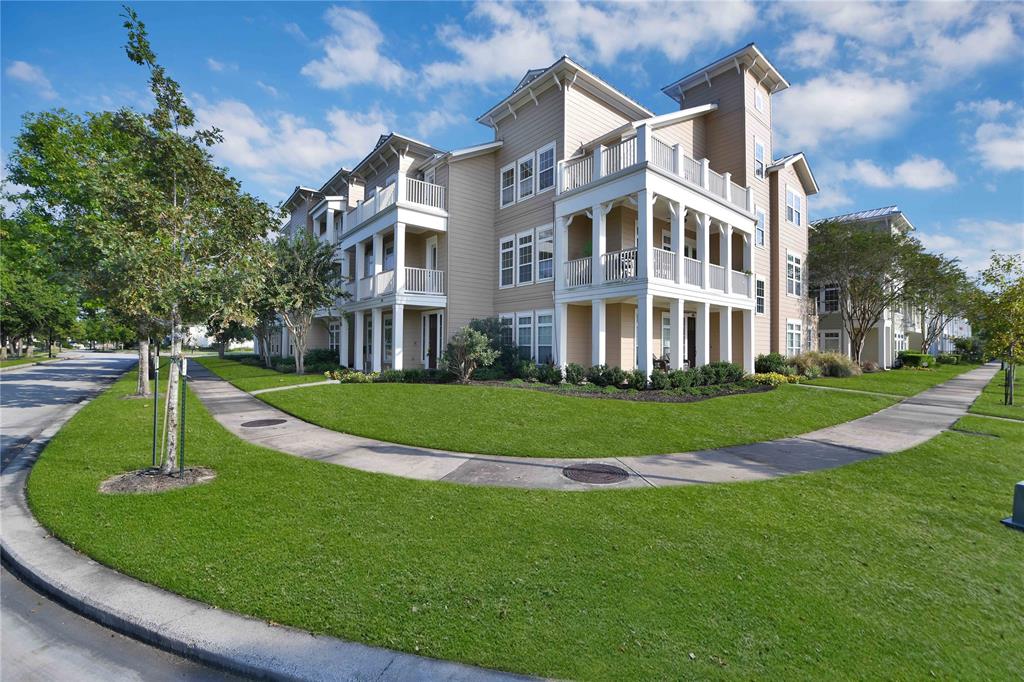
column 467, row 350
column 940, row 293
column 997, row 310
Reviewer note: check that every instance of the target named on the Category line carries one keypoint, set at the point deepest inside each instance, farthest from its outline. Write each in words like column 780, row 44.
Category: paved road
column 39, row 639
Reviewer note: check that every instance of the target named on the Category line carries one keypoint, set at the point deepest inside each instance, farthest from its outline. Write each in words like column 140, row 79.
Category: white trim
column 531, row 158
column 536, row 334
column 764, row 228
column 536, row 249
column 533, row 257
column 510, row 238
column 800, row 329
column 803, row 283
column 501, row 186
column 765, row 159
column 431, row 242
column 758, row 278
column 802, row 201
column 760, row 97
column 554, row 168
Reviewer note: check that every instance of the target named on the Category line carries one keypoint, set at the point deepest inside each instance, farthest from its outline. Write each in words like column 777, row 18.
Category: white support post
column 286, row 346
column 645, row 332
column 377, row 328
column 727, row 257
column 677, row 312
column 725, row 334
column 560, row 175
column 703, row 244
column 561, row 250
column 643, row 143
column 705, row 176
column 645, row 232
column 883, row 331
column 360, row 265
column 343, row 342
column 748, row 341
column 562, row 334
column 598, row 333
column 598, row 161
column 677, row 159
column 598, row 243
column 678, row 218
column 399, row 257
column 703, row 333
column 331, row 236
column 397, row 336
column 750, row 200
column 378, row 253
column 400, row 188
column 727, row 179
column 359, row 334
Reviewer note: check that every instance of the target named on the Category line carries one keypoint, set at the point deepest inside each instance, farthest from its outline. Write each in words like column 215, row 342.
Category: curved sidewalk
column 898, row 427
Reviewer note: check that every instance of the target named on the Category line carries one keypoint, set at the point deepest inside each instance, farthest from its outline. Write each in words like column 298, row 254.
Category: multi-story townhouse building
column 596, row 230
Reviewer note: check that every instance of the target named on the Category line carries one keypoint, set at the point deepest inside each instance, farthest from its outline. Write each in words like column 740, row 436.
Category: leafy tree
column 467, row 350
column 305, row 279
column 939, row 293
column 998, row 312
column 224, row 331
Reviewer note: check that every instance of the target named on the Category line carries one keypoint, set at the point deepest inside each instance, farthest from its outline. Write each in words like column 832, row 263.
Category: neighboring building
column 596, row 230
column 957, row 328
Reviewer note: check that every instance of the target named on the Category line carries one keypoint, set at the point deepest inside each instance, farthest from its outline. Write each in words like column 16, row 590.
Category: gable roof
column 892, row 214
column 748, row 55
column 654, row 122
column 802, row 168
column 341, row 174
column 299, row 192
column 394, row 143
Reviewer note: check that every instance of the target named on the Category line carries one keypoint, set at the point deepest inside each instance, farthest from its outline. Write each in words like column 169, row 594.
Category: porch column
column 359, row 339
column 399, row 256
column 678, row 216
column 882, row 333
column 844, row 341
column 375, row 341
column 725, row 334
column 343, row 342
column 703, row 333
column 286, row 346
column 676, row 351
column 331, row 236
column 360, row 265
column 703, row 241
column 598, row 334
column 562, row 334
column 645, row 231
column 598, row 243
column 645, row 332
column 727, row 256
column 378, row 254
column 397, row 335
column 561, row 250
column 748, row 341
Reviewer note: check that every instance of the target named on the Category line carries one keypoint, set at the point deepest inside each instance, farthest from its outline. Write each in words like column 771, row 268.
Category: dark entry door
column 430, row 334
column 691, row 341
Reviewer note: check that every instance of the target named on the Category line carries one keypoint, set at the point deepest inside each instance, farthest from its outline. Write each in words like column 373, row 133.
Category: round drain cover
column 263, row 422
column 595, row 472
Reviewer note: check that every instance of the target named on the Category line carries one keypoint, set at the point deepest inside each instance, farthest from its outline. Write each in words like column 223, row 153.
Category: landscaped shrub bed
column 909, row 358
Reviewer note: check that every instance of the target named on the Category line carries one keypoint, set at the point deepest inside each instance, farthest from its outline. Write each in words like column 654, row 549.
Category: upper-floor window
column 546, row 167
column 760, row 157
column 759, row 227
column 508, row 185
column 760, row 101
column 794, row 207
column 759, row 296
column 507, row 262
column 830, row 300
column 525, row 258
column 545, row 254
column 794, row 275
column 525, row 176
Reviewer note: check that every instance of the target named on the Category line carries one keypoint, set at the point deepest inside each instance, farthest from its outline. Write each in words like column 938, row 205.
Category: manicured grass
column 891, row 568
column 14, row 362
column 252, row 378
column 510, row 421
column 905, row 381
column 990, row 401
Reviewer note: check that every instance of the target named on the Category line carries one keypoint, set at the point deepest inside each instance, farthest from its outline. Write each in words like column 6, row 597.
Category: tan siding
column 586, row 118
column 786, row 237
column 578, row 333
column 412, row 334
column 469, row 248
column 724, row 128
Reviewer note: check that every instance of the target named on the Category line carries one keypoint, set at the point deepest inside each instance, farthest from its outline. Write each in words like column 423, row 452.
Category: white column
column 359, row 334
column 286, row 346
column 844, row 340
column 331, row 236
column 727, row 257
column 399, row 256
column 598, row 333
column 678, row 216
column 562, row 334
column 561, row 250
column 343, row 342
column 725, row 334
column 748, row 341
column 703, row 241
column 397, row 335
column 645, row 230
column 676, row 351
column 727, row 181
column 598, row 161
column 643, row 143
column 360, row 264
column 375, row 342
column 598, row 242
column 703, row 333
column 645, row 332
column 378, row 253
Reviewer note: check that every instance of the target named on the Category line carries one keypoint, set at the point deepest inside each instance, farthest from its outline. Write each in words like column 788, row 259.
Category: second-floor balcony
column 645, row 147
column 403, row 191
column 622, row 266
column 417, row 281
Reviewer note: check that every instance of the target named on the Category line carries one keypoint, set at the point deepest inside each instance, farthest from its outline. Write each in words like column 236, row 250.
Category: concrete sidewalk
column 895, row 428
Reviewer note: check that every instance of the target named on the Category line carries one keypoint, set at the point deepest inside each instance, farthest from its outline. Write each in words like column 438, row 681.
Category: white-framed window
column 545, row 337
column 830, row 341
column 760, row 157
column 524, row 177
column 389, row 256
column 334, row 336
column 546, row 167
column 524, row 258
column 508, row 322
column 507, row 262
column 759, row 227
column 666, row 240
column 690, row 249
column 389, row 338
column 830, row 300
column 507, row 193
column 524, row 335
column 666, row 334
column 760, row 100
column 794, row 206
column 760, row 299
column 794, row 275
column 545, row 254
column 794, row 337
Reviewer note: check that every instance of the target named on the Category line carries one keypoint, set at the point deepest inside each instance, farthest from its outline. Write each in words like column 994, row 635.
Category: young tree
column 224, row 331
column 305, row 279
column 998, row 312
column 871, row 268
column 940, row 293
column 467, row 350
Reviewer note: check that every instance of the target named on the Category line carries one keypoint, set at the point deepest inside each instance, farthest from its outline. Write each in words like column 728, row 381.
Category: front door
column 431, row 339
column 691, row 341
column 432, row 253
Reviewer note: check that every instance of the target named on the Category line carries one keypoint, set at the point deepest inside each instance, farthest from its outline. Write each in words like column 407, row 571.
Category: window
column 507, row 262
column 759, row 296
column 666, row 240
column 545, row 338
column 524, row 338
column 507, row 331
column 830, row 341
column 389, row 344
column 760, row 101
column 760, row 156
column 794, row 207
column 545, row 254
column 666, row 334
column 794, row 337
column 525, row 176
column 389, row 256
column 525, row 258
column 759, row 227
column 508, row 185
column 794, row 275
column 334, row 336
column 546, row 167
column 830, row 300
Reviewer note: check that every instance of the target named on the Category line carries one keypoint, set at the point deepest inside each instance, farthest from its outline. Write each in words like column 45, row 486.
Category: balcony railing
column 428, row 194
column 577, row 172
column 423, row 281
column 578, row 272
column 716, row 183
column 413, row 192
column 619, row 265
column 621, row 155
column 693, row 272
column 716, row 275
column 365, row 289
column 664, row 264
column 384, row 283
column 740, row 283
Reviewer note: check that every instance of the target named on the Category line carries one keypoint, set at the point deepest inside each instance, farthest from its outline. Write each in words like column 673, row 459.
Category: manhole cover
column 595, row 473
column 255, row 423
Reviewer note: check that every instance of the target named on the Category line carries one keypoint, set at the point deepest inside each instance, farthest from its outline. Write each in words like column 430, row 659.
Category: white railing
column 662, row 155
column 691, row 171
column 693, row 272
column 739, row 196
column 716, row 183
column 578, row 272
column 372, row 206
column 717, row 276
column 365, row 287
column 384, row 283
column 577, row 172
column 619, row 265
column 426, row 193
column 619, row 156
column 664, row 264
column 423, row 281
column 740, row 283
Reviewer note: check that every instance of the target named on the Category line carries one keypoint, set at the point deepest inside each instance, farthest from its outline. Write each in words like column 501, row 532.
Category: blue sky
column 920, row 105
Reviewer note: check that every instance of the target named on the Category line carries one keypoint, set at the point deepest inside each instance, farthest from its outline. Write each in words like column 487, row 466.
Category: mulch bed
column 649, row 396
column 152, row 481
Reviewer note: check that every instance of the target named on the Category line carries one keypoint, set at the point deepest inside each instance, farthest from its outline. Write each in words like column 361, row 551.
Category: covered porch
column 396, row 336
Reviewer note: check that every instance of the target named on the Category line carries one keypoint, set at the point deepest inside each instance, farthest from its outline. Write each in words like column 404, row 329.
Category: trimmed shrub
column 660, row 380
column 948, row 359
column 681, row 378
column 494, row 373
column 616, row 376
column 284, row 366
column 910, row 358
column 722, row 373
column 321, row 355
column 320, row 367
column 527, row 370
column 771, row 362
column 358, row 377
column 597, row 375
column 772, row 378
column 636, row 380
column 869, row 367
column 391, row 376
column 575, row 373
column 549, row 374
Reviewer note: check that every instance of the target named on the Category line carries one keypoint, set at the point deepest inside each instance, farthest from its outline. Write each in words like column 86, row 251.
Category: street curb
column 226, row 640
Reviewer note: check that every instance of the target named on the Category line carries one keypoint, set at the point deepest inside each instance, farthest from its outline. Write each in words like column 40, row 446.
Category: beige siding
column 578, row 333
column 724, row 128
column 469, row 248
column 412, row 348
column 586, row 118
column 786, row 238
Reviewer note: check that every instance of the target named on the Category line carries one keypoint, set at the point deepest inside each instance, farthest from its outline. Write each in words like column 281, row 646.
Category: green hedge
column 910, row 358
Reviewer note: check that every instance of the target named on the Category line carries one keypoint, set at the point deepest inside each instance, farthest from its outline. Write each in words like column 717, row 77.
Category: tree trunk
column 142, row 384
column 170, row 460
column 220, row 350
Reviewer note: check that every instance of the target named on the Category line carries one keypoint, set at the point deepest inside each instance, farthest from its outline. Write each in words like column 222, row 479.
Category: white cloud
column 430, row 122
column 293, row 29
column 986, row 108
column 352, row 54
column 269, row 89
column 220, row 67
column 809, row 48
column 840, row 104
column 989, row 42
column 917, row 172
column 33, row 76
column 1001, row 145
column 973, row 241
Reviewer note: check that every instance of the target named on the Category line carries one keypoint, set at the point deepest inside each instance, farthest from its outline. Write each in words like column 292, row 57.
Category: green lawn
column 251, row 378
column 897, row 381
column 509, row 421
column 991, row 399
column 14, row 362
column 891, row 568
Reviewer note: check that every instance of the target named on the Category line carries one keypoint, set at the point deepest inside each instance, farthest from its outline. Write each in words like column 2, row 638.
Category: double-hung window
column 545, row 254
column 760, row 158
column 794, row 275
column 545, row 337
column 389, row 339
column 830, row 341
column 794, row 337
column 334, row 336
column 507, row 329
column 524, row 335
column 794, row 207
column 507, row 262
column 546, row 167
column 525, row 177
column 760, row 101
column 666, row 334
column 525, row 258
column 759, row 296
column 830, row 300
column 508, row 185
column 759, row 227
